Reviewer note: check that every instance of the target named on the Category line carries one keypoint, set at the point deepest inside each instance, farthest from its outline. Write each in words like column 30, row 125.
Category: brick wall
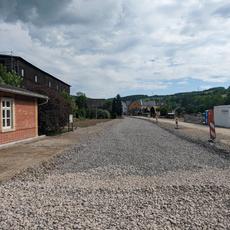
column 25, row 119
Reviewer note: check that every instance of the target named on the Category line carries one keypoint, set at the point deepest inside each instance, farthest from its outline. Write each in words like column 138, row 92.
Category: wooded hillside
column 190, row 102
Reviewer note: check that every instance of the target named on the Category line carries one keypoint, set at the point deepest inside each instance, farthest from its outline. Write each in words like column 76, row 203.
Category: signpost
column 70, row 122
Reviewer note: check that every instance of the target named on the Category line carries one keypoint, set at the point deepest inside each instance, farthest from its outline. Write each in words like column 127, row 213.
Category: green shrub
column 163, row 111
column 81, row 113
column 9, row 78
column 103, row 114
column 54, row 115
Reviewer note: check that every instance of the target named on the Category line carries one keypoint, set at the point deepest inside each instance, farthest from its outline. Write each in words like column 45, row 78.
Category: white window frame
column 12, row 117
column 50, row 84
column 36, row 79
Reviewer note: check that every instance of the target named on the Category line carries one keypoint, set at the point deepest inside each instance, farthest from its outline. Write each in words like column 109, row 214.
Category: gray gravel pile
column 134, row 175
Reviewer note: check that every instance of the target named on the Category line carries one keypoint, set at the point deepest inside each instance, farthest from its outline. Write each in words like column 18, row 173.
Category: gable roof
column 20, row 91
column 149, row 103
column 33, row 66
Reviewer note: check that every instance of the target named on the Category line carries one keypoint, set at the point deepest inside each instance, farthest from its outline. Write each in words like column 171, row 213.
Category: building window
column 7, row 114
column 57, row 87
column 49, row 84
column 36, row 79
column 22, row 72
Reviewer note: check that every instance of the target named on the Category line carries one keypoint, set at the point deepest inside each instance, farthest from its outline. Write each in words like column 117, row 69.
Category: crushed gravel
column 131, row 175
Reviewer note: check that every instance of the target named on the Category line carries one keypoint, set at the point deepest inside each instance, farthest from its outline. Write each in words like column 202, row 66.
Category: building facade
column 141, row 107
column 222, row 116
column 33, row 77
column 124, row 108
column 18, row 114
column 95, row 103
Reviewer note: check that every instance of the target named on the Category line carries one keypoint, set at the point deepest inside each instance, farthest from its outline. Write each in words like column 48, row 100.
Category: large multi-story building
column 32, row 76
column 95, row 103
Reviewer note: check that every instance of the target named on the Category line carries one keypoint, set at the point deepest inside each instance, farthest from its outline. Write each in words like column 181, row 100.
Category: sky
column 106, row 47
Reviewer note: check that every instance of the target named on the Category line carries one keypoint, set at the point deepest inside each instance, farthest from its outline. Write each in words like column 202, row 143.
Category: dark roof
column 20, row 91
column 149, row 103
column 33, row 66
column 96, row 99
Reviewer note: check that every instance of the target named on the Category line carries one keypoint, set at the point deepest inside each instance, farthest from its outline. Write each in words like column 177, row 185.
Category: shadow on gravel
column 223, row 153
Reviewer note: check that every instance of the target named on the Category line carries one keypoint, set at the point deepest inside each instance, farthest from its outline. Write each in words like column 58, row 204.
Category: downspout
column 43, row 103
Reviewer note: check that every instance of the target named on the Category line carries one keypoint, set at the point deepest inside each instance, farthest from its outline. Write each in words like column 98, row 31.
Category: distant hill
column 134, row 97
column 189, row 102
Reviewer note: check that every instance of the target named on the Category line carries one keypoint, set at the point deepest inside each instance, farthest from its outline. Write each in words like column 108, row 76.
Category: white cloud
column 120, row 46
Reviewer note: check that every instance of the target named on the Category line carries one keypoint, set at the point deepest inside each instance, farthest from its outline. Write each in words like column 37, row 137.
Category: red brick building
column 18, row 114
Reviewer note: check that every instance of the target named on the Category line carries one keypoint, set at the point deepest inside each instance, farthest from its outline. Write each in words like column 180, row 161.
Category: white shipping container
column 222, row 116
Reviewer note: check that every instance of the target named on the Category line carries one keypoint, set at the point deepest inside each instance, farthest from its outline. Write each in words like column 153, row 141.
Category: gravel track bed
column 200, row 138
column 131, row 175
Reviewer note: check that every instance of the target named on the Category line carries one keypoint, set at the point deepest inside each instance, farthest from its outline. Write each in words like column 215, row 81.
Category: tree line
column 195, row 102
column 111, row 108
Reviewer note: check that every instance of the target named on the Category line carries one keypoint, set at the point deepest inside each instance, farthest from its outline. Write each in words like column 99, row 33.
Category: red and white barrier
column 212, row 131
column 211, row 123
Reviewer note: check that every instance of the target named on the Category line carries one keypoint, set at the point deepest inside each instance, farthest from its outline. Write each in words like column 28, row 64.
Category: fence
column 195, row 119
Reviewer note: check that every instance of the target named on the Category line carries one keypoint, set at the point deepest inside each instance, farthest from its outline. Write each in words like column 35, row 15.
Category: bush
column 103, row 114
column 9, row 78
column 163, row 111
column 54, row 115
column 81, row 113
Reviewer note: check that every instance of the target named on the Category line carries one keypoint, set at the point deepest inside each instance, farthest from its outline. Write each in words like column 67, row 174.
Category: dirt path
column 16, row 158
column 222, row 131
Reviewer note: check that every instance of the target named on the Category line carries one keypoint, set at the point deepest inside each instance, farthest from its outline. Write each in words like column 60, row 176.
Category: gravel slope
column 133, row 175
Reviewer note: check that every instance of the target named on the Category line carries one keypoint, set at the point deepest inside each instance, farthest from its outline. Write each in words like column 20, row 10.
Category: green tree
column 81, row 101
column 71, row 101
column 81, row 105
column 163, row 111
column 152, row 112
column 103, row 114
column 227, row 100
column 114, row 114
column 54, row 115
column 9, row 78
column 117, row 107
